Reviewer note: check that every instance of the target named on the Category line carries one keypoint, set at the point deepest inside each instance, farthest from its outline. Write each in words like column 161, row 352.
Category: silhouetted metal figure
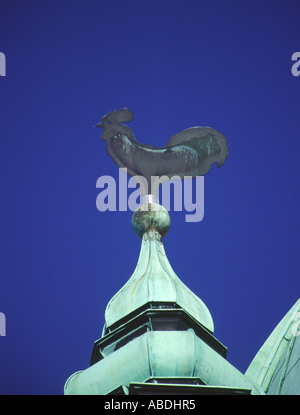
column 191, row 152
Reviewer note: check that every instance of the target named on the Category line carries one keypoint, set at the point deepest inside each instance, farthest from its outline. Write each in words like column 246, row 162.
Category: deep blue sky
column 176, row 64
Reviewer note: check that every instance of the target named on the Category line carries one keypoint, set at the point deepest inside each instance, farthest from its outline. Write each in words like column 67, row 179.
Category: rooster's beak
column 99, row 125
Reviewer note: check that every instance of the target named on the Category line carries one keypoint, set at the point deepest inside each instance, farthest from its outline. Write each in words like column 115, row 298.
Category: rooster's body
column 191, row 152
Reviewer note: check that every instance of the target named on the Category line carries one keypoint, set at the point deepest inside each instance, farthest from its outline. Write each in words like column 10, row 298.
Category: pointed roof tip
column 276, row 366
column 154, row 280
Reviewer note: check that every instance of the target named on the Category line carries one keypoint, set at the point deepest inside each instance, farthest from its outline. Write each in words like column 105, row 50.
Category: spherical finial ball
column 151, row 216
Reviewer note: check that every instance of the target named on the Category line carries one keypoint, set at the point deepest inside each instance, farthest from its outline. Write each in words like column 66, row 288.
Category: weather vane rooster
column 190, row 152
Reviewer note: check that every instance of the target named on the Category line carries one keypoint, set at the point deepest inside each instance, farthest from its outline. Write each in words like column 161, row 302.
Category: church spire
column 158, row 334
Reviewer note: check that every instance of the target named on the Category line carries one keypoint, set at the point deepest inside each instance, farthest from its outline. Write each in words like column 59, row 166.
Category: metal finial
column 151, row 217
